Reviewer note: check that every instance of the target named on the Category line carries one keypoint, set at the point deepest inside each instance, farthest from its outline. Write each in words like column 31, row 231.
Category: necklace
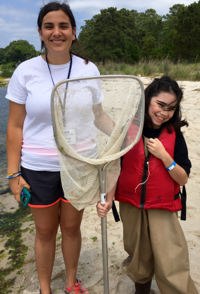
column 69, row 72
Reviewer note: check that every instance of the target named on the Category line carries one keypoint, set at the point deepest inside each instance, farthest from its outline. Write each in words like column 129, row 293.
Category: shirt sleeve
column 16, row 91
column 181, row 154
column 98, row 96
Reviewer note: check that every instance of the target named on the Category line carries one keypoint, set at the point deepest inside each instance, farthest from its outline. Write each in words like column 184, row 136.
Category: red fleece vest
column 160, row 187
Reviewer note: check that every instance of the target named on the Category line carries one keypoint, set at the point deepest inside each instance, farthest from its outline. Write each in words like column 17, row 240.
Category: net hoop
column 72, row 153
column 80, row 172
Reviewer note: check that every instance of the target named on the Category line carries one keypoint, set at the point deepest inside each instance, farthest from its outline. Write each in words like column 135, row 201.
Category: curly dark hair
column 167, row 85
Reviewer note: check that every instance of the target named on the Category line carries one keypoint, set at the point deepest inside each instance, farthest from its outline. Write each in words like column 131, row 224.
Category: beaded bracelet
column 171, row 166
column 14, row 175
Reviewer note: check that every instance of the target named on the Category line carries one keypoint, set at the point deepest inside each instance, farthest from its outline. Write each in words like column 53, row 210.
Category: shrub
column 7, row 73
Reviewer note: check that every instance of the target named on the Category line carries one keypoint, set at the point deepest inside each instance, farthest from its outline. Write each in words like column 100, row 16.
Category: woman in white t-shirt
column 30, row 143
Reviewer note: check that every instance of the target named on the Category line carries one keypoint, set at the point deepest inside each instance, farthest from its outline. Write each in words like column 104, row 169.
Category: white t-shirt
column 31, row 84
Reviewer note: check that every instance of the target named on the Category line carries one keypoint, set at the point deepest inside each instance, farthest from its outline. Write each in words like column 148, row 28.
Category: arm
column 103, row 210
column 17, row 115
column 156, row 148
column 102, row 121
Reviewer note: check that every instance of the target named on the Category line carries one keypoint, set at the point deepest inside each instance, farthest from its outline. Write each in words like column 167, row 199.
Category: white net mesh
column 96, row 120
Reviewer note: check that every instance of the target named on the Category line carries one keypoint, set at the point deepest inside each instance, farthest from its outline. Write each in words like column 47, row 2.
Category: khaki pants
column 155, row 241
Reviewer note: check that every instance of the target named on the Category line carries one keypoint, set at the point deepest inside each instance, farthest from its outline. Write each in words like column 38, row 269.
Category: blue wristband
column 171, row 166
column 13, row 175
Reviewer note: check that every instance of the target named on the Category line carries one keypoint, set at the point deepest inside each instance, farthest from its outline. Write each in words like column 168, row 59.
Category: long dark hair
column 167, row 85
column 55, row 6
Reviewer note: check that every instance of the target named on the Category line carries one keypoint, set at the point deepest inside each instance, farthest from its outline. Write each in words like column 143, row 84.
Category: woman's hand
column 178, row 174
column 156, row 148
column 103, row 210
column 16, row 186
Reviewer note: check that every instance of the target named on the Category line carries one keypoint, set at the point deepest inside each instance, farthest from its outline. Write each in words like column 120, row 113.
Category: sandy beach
column 90, row 264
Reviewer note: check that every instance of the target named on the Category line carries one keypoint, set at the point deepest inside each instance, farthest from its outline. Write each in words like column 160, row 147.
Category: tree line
column 129, row 36
column 16, row 52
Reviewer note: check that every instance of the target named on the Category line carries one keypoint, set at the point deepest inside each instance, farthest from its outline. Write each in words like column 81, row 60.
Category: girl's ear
column 40, row 33
column 74, row 34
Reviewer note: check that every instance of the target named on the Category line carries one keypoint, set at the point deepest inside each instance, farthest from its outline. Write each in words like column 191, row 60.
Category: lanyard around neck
column 69, row 72
column 62, row 103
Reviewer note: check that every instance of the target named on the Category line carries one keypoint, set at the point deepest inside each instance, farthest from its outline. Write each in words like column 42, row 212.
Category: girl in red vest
column 148, row 191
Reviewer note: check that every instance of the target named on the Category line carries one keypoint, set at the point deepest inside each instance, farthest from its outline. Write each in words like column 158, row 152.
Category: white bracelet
column 171, row 166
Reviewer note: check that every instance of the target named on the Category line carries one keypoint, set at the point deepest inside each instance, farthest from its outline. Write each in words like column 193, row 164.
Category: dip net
column 96, row 120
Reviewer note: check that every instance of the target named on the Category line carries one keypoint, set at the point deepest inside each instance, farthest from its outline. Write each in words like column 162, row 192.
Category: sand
column 90, row 264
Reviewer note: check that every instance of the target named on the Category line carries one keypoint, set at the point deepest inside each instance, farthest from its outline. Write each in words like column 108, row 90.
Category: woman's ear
column 74, row 34
column 40, row 33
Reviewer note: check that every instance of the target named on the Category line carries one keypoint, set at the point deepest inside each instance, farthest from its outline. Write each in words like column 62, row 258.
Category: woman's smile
column 57, row 34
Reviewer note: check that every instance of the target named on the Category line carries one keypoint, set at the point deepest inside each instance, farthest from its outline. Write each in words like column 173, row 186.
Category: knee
column 46, row 234
column 70, row 230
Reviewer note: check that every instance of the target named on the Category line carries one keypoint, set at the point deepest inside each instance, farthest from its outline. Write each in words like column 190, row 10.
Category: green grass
column 178, row 71
column 94, row 238
column 10, row 229
column 151, row 68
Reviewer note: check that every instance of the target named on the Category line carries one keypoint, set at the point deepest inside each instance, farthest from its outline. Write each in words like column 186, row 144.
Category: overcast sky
column 18, row 18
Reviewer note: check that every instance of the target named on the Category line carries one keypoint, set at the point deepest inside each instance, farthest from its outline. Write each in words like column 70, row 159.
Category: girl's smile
column 57, row 34
column 161, row 108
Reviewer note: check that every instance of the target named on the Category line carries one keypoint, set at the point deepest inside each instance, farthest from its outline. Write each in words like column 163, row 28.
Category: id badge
column 70, row 135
